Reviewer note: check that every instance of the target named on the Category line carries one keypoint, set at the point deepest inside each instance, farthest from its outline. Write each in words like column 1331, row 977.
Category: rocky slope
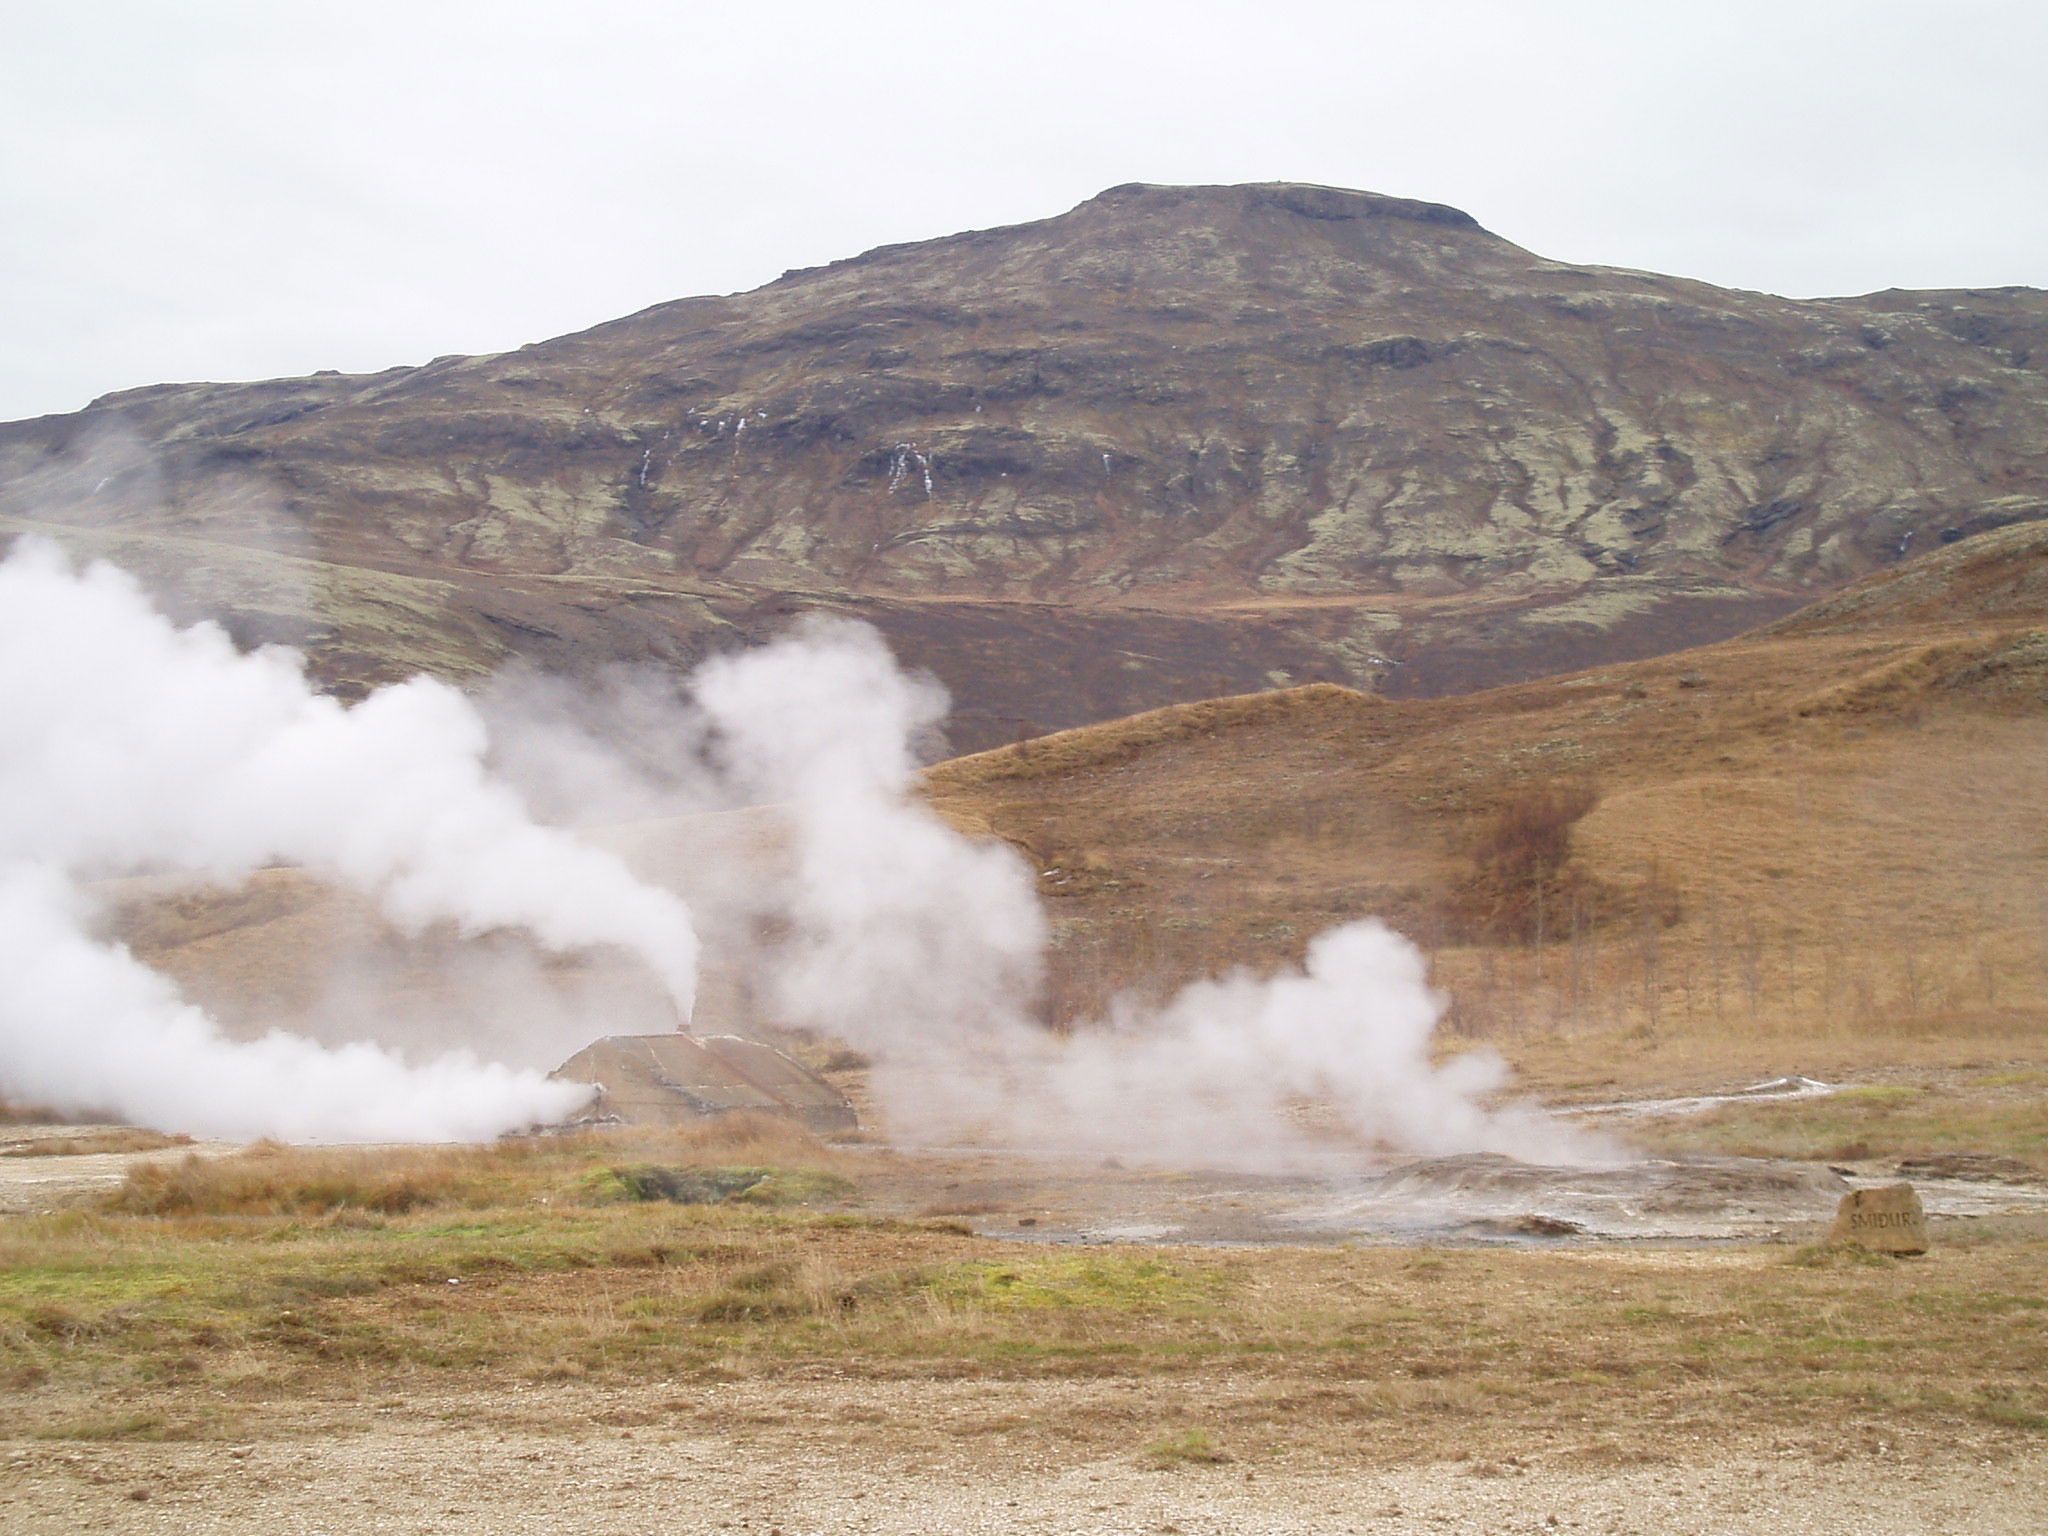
column 1180, row 441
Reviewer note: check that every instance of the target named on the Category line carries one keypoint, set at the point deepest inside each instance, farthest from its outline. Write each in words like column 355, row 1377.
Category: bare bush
column 1522, row 884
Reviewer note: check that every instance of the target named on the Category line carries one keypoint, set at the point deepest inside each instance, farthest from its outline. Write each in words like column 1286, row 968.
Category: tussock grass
column 1194, row 1446
column 270, row 1180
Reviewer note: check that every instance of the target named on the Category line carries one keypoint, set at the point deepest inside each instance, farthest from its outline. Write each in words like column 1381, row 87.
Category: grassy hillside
column 1832, row 827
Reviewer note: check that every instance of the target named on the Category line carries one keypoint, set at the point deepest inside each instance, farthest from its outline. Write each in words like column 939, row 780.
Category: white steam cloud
column 925, row 948
column 133, row 746
column 1219, row 1067
column 919, row 945
column 776, row 788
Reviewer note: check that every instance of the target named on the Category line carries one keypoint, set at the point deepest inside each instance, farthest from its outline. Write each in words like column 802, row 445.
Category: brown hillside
column 1177, row 442
column 1819, row 826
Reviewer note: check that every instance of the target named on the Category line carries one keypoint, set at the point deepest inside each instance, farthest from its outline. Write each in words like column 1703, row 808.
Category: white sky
column 246, row 188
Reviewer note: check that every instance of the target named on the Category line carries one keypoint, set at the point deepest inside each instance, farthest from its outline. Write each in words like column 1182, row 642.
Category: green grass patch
column 1109, row 1282
column 1878, row 1095
column 2008, row 1406
column 1191, row 1447
column 714, row 1186
column 2019, row 1077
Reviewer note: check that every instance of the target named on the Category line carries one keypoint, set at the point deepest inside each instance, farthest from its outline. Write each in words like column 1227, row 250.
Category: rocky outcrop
column 1178, row 441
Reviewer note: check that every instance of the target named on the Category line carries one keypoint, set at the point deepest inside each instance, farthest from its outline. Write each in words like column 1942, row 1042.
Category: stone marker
column 1888, row 1219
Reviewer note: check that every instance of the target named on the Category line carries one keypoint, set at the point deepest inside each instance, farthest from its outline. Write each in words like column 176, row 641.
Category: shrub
column 1521, row 881
column 269, row 1180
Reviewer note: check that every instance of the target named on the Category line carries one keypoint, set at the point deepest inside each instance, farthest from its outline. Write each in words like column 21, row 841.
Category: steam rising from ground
column 925, row 948
column 832, row 897
column 1219, row 1067
column 132, row 746
column 919, row 945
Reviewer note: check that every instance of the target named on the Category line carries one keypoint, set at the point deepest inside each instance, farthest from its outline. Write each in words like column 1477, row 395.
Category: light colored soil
column 924, row 1457
column 31, row 1184
column 1477, row 1199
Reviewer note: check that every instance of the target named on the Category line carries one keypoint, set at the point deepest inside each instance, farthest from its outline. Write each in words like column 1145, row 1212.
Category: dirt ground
column 866, row 1448
column 870, row 1458
column 1470, row 1200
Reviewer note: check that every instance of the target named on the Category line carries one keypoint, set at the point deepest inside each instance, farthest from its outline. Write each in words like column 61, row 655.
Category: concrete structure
column 675, row 1078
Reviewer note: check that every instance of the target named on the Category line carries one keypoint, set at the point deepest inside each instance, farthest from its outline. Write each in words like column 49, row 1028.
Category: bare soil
column 1476, row 1199
column 41, row 1171
column 827, row 1455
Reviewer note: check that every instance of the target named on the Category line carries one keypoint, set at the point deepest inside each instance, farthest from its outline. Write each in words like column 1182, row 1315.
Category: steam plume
column 1220, row 1065
column 133, row 746
column 917, row 944
column 136, row 747
column 925, row 948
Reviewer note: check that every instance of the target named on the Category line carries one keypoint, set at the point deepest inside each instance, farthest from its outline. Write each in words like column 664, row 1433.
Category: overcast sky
column 245, row 188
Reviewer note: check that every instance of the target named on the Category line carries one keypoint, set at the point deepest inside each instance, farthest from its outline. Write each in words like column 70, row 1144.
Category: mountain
column 1175, row 443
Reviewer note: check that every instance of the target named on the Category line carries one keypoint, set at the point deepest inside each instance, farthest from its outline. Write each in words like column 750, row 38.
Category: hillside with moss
column 1176, row 443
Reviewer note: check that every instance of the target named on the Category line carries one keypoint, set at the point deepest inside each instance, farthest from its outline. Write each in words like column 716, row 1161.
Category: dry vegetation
column 12, row 1113
column 187, row 1302
column 98, row 1143
column 270, row 1179
column 1833, row 834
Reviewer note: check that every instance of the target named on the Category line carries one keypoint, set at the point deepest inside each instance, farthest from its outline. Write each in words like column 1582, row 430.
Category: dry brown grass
column 1850, row 874
column 272, row 1180
column 269, row 1179
column 1625, row 1347
column 12, row 1113
column 98, row 1143
column 743, row 1137
column 1116, row 741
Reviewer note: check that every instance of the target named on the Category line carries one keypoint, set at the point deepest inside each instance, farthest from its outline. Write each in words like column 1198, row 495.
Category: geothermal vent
column 676, row 1078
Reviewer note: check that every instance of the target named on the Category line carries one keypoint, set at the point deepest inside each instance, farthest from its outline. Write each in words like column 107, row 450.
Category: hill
column 1178, row 442
column 1835, row 823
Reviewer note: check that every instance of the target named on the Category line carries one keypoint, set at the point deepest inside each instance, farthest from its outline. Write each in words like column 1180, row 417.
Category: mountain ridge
column 1175, row 442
